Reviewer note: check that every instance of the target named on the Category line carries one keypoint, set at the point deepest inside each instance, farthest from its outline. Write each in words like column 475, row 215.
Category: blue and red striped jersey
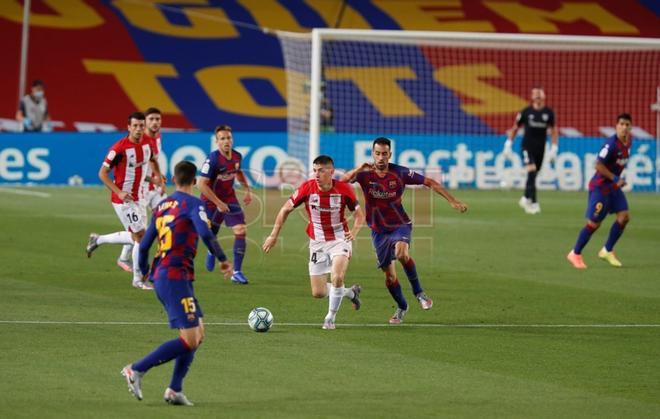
column 177, row 222
column 614, row 155
column 383, row 196
column 222, row 172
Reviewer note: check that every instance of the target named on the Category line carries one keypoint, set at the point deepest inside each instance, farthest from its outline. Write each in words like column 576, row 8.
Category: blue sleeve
column 201, row 222
column 210, row 167
column 605, row 152
column 145, row 245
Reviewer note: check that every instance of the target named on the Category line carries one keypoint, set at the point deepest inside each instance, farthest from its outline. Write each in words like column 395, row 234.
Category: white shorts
column 152, row 198
column 321, row 254
column 132, row 215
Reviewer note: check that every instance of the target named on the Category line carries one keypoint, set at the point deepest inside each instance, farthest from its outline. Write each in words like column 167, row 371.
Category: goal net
column 447, row 99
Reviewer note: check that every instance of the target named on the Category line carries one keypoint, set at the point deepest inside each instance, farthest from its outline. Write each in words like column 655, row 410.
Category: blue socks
column 615, row 232
column 239, row 251
column 583, row 238
column 181, row 367
column 411, row 272
column 394, row 288
column 164, row 353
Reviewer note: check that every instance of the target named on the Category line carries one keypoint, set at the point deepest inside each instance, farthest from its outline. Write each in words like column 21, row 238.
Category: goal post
column 447, row 98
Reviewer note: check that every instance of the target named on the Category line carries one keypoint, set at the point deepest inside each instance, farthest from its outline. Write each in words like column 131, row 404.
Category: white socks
column 336, row 295
column 347, row 291
column 137, row 275
column 126, row 252
column 120, row 237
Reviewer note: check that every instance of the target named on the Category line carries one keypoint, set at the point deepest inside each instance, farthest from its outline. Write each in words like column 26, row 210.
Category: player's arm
column 242, row 179
column 511, row 134
column 603, row 170
column 145, row 245
column 351, row 174
column 204, row 185
column 358, row 222
column 157, row 177
column 104, row 175
column 440, row 190
column 201, row 223
column 281, row 218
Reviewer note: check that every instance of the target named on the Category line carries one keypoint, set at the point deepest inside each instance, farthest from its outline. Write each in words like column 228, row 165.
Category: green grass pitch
column 515, row 330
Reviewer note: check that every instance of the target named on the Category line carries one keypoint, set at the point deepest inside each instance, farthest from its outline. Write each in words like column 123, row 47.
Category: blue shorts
column 600, row 204
column 235, row 216
column 385, row 243
column 178, row 299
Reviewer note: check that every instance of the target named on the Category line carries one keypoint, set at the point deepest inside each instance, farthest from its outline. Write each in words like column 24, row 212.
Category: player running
column 128, row 160
column 537, row 119
column 217, row 186
column 606, row 195
column 176, row 224
column 383, row 184
column 154, row 192
column 330, row 246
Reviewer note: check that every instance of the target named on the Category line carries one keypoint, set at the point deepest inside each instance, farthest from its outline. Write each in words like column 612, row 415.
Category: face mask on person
column 38, row 95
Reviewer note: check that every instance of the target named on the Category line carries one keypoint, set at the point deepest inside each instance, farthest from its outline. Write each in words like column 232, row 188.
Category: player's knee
column 401, row 255
column 390, row 280
column 240, row 230
column 593, row 225
column 623, row 219
column 193, row 341
column 318, row 293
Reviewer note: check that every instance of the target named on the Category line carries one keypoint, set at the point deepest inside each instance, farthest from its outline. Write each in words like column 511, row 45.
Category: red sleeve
column 114, row 155
column 300, row 195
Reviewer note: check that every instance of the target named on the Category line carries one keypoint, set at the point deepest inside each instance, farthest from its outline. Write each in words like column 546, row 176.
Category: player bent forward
column 177, row 222
column 330, row 239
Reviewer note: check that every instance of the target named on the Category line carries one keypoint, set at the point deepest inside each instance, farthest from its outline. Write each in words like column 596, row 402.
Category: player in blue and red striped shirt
column 177, row 222
column 606, row 196
column 383, row 184
column 219, row 171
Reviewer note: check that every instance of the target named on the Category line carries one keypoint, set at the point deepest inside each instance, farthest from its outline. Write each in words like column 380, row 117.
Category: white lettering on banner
column 11, row 158
column 13, row 167
column 185, row 153
column 33, row 158
column 487, row 170
column 257, row 161
column 639, row 171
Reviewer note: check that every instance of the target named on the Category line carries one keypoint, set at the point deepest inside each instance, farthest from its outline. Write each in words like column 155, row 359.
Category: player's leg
column 193, row 337
column 385, row 254
column 337, row 289
column 533, row 167
column 597, row 208
column 236, row 220
column 240, row 231
column 137, row 213
column 619, row 205
column 120, row 237
column 402, row 237
column 184, row 314
column 216, row 218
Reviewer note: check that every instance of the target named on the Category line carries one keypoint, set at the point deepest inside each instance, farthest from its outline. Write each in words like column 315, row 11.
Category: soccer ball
column 260, row 319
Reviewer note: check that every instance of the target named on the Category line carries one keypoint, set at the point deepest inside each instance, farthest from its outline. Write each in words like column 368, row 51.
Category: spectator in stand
column 32, row 114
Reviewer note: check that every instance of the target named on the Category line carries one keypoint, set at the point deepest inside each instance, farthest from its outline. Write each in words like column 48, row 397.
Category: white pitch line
column 24, row 192
column 427, row 325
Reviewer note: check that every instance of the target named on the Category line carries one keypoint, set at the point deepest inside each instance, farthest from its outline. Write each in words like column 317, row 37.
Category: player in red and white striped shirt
column 128, row 159
column 152, row 194
column 330, row 245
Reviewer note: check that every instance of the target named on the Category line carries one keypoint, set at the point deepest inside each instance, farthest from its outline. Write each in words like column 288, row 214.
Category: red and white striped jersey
column 157, row 147
column 129, row 162
column 325, row 209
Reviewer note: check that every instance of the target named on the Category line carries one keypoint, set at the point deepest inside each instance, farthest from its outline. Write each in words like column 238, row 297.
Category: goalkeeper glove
column 552, row 155
column 507, row 148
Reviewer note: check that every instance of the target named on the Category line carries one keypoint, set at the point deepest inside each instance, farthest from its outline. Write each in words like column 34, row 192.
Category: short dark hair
column 151, row 110
column 185, row 172
column 625, row 116
column 222, row 128
column 323, row 159
column 135, row 115
column 382, row 141
column 37, row 82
